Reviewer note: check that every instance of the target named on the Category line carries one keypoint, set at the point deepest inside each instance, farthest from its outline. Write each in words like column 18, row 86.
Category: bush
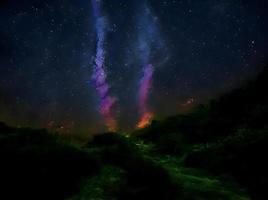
column 242, row 156
column 36, row 165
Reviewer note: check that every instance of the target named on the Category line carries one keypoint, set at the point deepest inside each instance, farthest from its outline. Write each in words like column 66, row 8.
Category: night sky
column 159, row 58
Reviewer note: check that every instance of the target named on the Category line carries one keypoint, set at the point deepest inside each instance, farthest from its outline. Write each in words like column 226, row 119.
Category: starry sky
column 197, row 50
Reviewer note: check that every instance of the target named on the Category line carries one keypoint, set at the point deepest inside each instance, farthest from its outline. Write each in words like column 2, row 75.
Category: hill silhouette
column 215, row 152
column 227, row 136
column 244, row 107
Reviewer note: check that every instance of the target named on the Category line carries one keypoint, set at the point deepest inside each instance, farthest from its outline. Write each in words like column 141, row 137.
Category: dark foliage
column 35, row 165
column 241, row 156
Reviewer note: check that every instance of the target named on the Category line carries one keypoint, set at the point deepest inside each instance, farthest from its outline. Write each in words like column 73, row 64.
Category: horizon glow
column 145, row 86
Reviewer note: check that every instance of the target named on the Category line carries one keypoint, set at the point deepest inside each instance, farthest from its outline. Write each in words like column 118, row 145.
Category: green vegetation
column 215, row 152
column 109, row 167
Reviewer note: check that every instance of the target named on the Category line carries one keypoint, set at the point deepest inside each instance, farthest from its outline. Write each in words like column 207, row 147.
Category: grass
column 111, row 166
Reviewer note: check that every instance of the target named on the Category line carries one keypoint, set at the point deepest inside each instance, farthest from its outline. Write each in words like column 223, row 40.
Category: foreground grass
column 37, row 165
column 105, row 185
column 114, row 181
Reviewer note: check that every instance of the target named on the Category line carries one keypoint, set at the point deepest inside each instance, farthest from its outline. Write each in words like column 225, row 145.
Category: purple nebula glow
column 99, row 74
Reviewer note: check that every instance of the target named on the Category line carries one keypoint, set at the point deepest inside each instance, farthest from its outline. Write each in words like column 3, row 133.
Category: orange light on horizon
column 145, row 120
column 111, row 124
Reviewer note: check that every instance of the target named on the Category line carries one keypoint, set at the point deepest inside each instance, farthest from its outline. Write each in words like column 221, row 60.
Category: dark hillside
column 229, row 136
column 245, row 107
column 36, row 165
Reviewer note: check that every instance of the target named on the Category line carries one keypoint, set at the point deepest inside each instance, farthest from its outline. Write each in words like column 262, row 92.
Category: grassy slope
column 134, row 170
